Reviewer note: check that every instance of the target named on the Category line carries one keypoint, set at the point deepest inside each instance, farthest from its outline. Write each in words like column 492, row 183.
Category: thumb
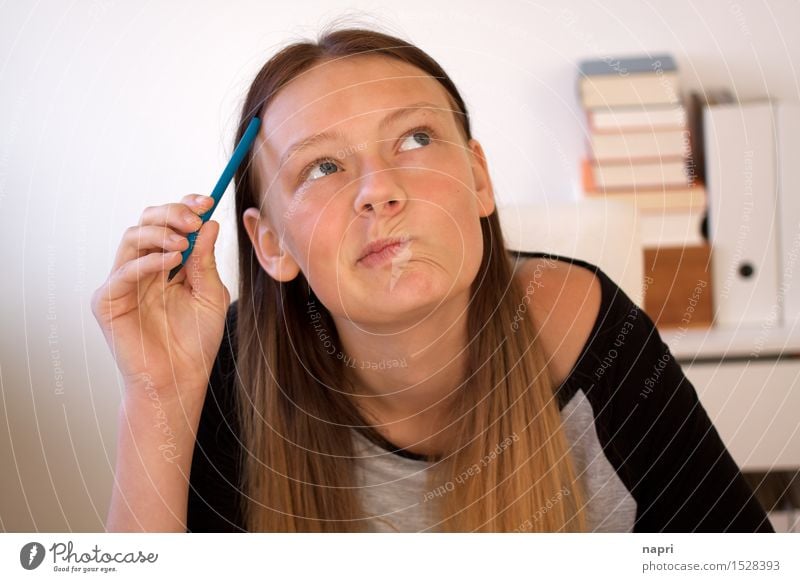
column 202, row 272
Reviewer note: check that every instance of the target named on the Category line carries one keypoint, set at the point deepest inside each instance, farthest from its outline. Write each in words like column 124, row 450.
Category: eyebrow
column 391, row 118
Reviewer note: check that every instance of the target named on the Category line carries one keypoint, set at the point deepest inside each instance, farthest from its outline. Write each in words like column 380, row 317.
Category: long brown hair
column 299, row 461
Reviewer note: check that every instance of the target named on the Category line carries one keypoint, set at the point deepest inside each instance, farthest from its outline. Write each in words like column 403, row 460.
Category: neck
column 409, row 375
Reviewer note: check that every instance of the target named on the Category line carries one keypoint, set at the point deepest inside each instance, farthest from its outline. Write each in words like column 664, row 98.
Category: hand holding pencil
column 164, row 331
column 227, row 175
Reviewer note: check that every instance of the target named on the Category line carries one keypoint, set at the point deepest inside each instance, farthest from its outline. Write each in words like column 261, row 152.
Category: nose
column 380, row 192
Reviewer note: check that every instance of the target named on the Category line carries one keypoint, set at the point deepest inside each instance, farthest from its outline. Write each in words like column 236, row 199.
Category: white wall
column 108, row 106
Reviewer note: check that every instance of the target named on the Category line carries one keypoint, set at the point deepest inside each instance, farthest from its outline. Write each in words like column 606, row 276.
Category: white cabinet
column 755, row 407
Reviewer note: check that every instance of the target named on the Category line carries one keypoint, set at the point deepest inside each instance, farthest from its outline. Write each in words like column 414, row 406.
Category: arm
column 657, row 434
column 215, row 492
column 154, row 454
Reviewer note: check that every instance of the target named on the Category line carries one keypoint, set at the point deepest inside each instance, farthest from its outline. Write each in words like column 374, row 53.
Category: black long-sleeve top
column 653, row 431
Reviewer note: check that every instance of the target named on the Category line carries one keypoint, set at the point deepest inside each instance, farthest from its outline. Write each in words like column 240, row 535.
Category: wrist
column 163, row 429
column 172, row 393
column 181, row 406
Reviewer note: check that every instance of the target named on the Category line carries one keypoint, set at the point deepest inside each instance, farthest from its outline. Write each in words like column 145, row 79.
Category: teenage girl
column 389, row 365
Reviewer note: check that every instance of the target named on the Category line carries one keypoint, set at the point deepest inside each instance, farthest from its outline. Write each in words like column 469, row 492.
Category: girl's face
column 361, row 149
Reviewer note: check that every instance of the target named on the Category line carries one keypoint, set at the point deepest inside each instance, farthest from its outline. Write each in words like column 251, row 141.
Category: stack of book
column 640, row 148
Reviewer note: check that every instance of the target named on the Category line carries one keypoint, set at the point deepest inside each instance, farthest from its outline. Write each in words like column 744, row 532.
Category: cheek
column 447, row 182
column 469, row 244
column 320, row 236
column 448, row 201
column 459, row 228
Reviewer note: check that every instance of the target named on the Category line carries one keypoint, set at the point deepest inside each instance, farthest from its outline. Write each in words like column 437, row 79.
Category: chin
column 411, row 295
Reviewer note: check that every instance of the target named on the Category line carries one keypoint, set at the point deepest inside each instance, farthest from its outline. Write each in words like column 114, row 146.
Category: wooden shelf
column 743, row 342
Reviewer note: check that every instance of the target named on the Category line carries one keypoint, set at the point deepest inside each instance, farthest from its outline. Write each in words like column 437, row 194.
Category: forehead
column 352, row 90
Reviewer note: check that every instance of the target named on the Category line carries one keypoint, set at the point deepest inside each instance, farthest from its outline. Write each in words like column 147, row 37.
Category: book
column 626, row 65
column 660, row 199
column 639, row 89
column 635, row 175
column 631, row 118
column 650, row 144
column 628, row 81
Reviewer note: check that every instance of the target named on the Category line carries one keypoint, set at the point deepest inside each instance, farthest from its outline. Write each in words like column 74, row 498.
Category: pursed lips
column 379, row 245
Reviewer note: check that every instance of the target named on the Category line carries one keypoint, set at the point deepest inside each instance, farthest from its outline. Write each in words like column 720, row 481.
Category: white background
column 107, row 107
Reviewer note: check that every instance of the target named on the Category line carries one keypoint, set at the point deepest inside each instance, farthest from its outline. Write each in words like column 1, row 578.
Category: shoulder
column 565, row 305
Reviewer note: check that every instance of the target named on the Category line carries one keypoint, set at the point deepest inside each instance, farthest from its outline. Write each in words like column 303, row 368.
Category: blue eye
column 423, row 134
column 328, row 167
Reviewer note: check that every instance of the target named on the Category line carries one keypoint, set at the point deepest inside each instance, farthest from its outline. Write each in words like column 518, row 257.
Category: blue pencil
column 222, row 184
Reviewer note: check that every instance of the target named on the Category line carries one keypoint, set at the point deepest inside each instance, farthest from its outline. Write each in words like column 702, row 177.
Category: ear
column 272, row 257
column 483, row 183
